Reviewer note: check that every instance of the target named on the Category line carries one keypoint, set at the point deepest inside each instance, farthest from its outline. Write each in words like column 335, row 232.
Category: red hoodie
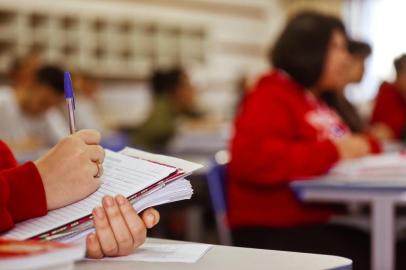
column 281, row 133
column 22, row 194
column 390, row 109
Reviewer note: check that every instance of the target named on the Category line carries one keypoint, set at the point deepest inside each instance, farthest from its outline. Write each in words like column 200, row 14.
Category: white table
column 232, row 258
column 382, row 193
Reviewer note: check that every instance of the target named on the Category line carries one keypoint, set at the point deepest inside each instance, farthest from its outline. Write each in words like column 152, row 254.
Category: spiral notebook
column 145, row 179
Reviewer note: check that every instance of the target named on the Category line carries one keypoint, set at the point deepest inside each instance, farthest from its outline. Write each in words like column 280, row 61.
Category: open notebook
column 145, row 179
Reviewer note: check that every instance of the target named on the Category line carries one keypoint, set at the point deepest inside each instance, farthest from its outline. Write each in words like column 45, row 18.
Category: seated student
column 22, row 71
column 69, row 172
column 173, row 98
column 390, row 105
column 285, row 132
column 88, row 112
column 87, row 90
column 359, row 52
column 32, row 106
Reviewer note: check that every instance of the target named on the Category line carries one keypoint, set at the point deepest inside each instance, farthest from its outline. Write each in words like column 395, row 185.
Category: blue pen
column 70, row 101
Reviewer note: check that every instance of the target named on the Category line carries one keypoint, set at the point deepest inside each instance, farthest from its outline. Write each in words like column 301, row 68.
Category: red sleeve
column 7, row 159
column 22, row 195
column 374, row 143
column 388, row 110
column 265, row 150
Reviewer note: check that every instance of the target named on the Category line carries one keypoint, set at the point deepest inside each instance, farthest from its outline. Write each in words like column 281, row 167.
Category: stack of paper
column 377, row 165
column 145, row 179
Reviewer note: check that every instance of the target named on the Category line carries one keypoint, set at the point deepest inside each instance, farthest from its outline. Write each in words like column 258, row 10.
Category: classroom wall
column 238, row 35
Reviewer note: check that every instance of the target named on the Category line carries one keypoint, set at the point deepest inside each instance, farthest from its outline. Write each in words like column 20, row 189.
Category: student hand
column 68, row 170
column 119, row 229
column 353, row 146
column 382, row 132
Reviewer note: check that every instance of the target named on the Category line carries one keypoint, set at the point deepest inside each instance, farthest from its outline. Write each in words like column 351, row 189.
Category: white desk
column 233, row 258
column 383, row 196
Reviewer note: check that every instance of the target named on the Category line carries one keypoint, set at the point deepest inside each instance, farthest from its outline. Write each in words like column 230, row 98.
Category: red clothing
column 22, row 194
column 281, row 133
column 390, row 109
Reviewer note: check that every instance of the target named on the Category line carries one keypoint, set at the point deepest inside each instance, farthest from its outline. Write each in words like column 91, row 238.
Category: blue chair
column 216, row 178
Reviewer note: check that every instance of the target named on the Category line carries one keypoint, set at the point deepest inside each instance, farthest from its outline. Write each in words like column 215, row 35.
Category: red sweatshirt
column 390, row 109
column 22, row 194
column 281, row 133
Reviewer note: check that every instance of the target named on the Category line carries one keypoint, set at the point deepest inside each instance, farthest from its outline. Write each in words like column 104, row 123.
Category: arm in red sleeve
column 374, row 143
column 389, row 110
column 22, row 195
column 278, row 160
column 266, row 149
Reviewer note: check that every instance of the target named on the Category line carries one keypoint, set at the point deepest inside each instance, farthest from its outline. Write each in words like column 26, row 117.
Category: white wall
column 237, row 40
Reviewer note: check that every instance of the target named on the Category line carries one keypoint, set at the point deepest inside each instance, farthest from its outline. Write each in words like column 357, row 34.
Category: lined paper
column 122, row 175
column 174, row 191
column 185, row 165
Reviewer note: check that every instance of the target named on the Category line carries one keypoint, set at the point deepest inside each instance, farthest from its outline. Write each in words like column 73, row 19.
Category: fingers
column 104, row 232
column 96, row 153
column 134, row 222
column 89, row 136
column 119, row 229
column 93, row 248
column 118, row 225
column 150, row 217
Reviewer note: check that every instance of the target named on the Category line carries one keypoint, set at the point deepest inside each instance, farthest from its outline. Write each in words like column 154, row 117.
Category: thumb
column 150, row 217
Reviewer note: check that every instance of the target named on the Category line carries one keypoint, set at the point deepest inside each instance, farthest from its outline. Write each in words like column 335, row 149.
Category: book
column 44, row 255
column 145, row 179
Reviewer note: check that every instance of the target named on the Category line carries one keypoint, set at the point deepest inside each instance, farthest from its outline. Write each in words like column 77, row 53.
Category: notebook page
column 122, row 175
column 175, row 191
column 185, row 165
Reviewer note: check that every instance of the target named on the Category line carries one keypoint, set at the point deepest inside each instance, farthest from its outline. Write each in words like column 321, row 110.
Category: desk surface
column 222, row 257
column 387, row 183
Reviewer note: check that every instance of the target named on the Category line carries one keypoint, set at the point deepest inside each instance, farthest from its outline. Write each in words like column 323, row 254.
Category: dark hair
column 359, row 48
column 302, row 47
column 345, row 109
column 51, row 76
column 166, row 81
column 400, row 63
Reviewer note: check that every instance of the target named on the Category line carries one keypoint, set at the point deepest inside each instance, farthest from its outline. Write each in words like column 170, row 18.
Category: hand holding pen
column 70, row 101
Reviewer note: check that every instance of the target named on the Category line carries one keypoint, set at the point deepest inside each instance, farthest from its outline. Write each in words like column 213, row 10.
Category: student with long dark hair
column 285, row 132
column 359, row 52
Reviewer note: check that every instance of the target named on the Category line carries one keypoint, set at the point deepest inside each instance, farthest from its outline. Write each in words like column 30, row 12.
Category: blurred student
column 173, row 97
column 359, row 52
column 285, row 132
column 86, row 99
column 22, row 71
column 88, row 113
column 69, row 172
column 390, row 105
column 29, row 119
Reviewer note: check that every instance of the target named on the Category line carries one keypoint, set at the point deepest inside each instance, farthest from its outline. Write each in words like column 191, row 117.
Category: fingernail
column 109, row 202
column 98, row 211
column 120, row 199
column 151, row 219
